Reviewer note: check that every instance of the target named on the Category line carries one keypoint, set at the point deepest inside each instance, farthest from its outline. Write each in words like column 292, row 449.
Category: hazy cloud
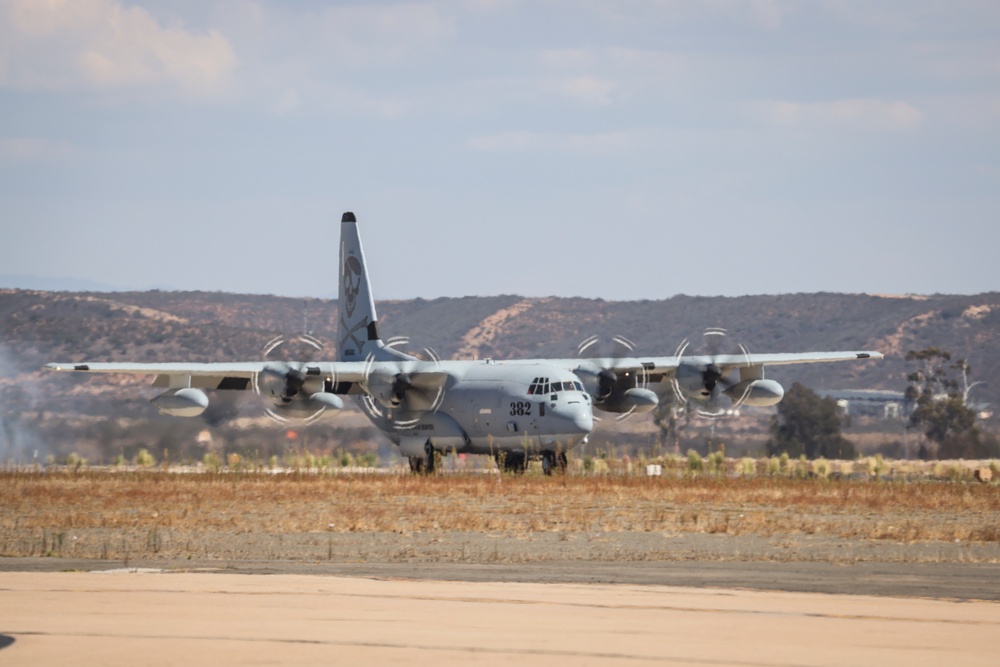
column 342, row 38
column 522, row 142
column 587, row 89
column 768, row 14
column 101, row 44
column 865, row 114
column 34, row 149
column 765, row 13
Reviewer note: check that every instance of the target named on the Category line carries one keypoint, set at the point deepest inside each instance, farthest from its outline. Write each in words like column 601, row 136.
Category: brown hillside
column 39, row 327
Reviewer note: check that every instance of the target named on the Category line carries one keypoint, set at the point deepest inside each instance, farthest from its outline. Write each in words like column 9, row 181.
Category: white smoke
column 21, row 442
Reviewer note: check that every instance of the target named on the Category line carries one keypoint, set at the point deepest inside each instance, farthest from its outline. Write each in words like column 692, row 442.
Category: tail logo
column 352, row 283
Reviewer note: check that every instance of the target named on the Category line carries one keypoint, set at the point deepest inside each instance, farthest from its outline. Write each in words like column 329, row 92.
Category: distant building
column 870, row 402
column 884, row 404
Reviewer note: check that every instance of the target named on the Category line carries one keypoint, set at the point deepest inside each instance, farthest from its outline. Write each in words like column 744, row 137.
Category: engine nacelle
column 302, row 407
column 328, row 401
column 182, row 402
column 756, row 393
column 386, row 389
column 691, row 381
column 638, row 399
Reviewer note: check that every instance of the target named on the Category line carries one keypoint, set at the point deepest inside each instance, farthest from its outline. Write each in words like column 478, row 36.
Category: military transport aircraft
column 513, row 409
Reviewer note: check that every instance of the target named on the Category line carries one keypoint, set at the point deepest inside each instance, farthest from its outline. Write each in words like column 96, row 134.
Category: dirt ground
column 475, row 523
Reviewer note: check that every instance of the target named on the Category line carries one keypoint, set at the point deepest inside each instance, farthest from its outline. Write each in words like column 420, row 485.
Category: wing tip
column 66, row 367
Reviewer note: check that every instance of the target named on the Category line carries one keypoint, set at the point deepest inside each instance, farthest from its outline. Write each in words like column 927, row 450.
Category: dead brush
column 154, row 503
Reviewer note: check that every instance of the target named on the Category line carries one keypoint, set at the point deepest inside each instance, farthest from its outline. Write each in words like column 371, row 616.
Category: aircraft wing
column 773, row 359
column 203, row 376
column 229, row 375
column 668, row 365
column 240, row 375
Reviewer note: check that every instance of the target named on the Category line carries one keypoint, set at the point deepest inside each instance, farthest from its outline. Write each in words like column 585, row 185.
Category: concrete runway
column 166, row 618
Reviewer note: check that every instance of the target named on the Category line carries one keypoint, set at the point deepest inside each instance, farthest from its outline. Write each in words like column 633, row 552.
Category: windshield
column 543, row 386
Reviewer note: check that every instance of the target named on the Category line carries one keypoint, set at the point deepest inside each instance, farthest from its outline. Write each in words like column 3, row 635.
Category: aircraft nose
column 583, row 419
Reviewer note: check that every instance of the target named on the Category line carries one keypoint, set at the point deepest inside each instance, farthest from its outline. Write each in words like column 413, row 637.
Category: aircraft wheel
column 431, row 457
column 515, row 462
column 416, row 464
column 548, row 461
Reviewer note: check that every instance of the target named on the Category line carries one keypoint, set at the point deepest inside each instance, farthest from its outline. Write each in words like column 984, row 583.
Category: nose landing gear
column 554, row 460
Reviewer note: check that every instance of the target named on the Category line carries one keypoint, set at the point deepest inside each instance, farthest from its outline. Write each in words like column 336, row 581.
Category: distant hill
column 54, row 284
column 39, row 326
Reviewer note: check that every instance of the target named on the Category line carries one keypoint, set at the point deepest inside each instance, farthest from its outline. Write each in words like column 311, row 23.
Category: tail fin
column 359, row 336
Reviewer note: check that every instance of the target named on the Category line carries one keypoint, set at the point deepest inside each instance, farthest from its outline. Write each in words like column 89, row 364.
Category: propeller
column 296, row 387
column 394, row 392
column 625, row 393
column 701, row 377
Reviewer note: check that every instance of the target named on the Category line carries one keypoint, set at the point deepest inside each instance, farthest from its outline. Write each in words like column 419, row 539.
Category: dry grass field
column 486, row 517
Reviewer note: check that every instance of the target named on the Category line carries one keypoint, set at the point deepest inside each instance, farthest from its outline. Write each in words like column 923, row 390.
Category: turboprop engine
column 621, row 391
column 182, row 402
column 756, row 393
column 305, row 407
column 612, row 393
column 389, row 389
column 300, row 391
column 706, row 382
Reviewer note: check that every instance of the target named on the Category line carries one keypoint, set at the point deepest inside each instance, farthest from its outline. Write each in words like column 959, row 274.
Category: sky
column 621, row 150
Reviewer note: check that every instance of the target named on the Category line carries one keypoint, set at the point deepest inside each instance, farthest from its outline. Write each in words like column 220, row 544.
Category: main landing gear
column 517, row 462
column 426, row 463
column 514, row 462
column 554, row 460
column 509, row 462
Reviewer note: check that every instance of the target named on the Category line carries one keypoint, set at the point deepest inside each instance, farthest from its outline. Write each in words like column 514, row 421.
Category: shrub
column 694, row 462
column 75, row 461
column 144, row 459
column 773, row 467
column 211, row 461
column 875, row 465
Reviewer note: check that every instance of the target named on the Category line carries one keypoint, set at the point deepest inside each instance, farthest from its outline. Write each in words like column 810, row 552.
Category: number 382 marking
column 520, row 408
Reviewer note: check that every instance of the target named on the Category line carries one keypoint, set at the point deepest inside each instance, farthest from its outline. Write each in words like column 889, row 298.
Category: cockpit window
column 543, row 386
column 539, row 386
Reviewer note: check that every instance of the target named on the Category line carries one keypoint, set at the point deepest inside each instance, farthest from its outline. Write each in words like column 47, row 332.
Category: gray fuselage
column 492, row 407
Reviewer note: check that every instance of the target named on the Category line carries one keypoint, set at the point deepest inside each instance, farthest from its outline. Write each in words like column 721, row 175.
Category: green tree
column 938, row 407
column 671, row 419
column 810, row 425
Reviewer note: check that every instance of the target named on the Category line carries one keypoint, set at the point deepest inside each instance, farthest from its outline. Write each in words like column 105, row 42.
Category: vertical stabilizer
column 358, row 336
